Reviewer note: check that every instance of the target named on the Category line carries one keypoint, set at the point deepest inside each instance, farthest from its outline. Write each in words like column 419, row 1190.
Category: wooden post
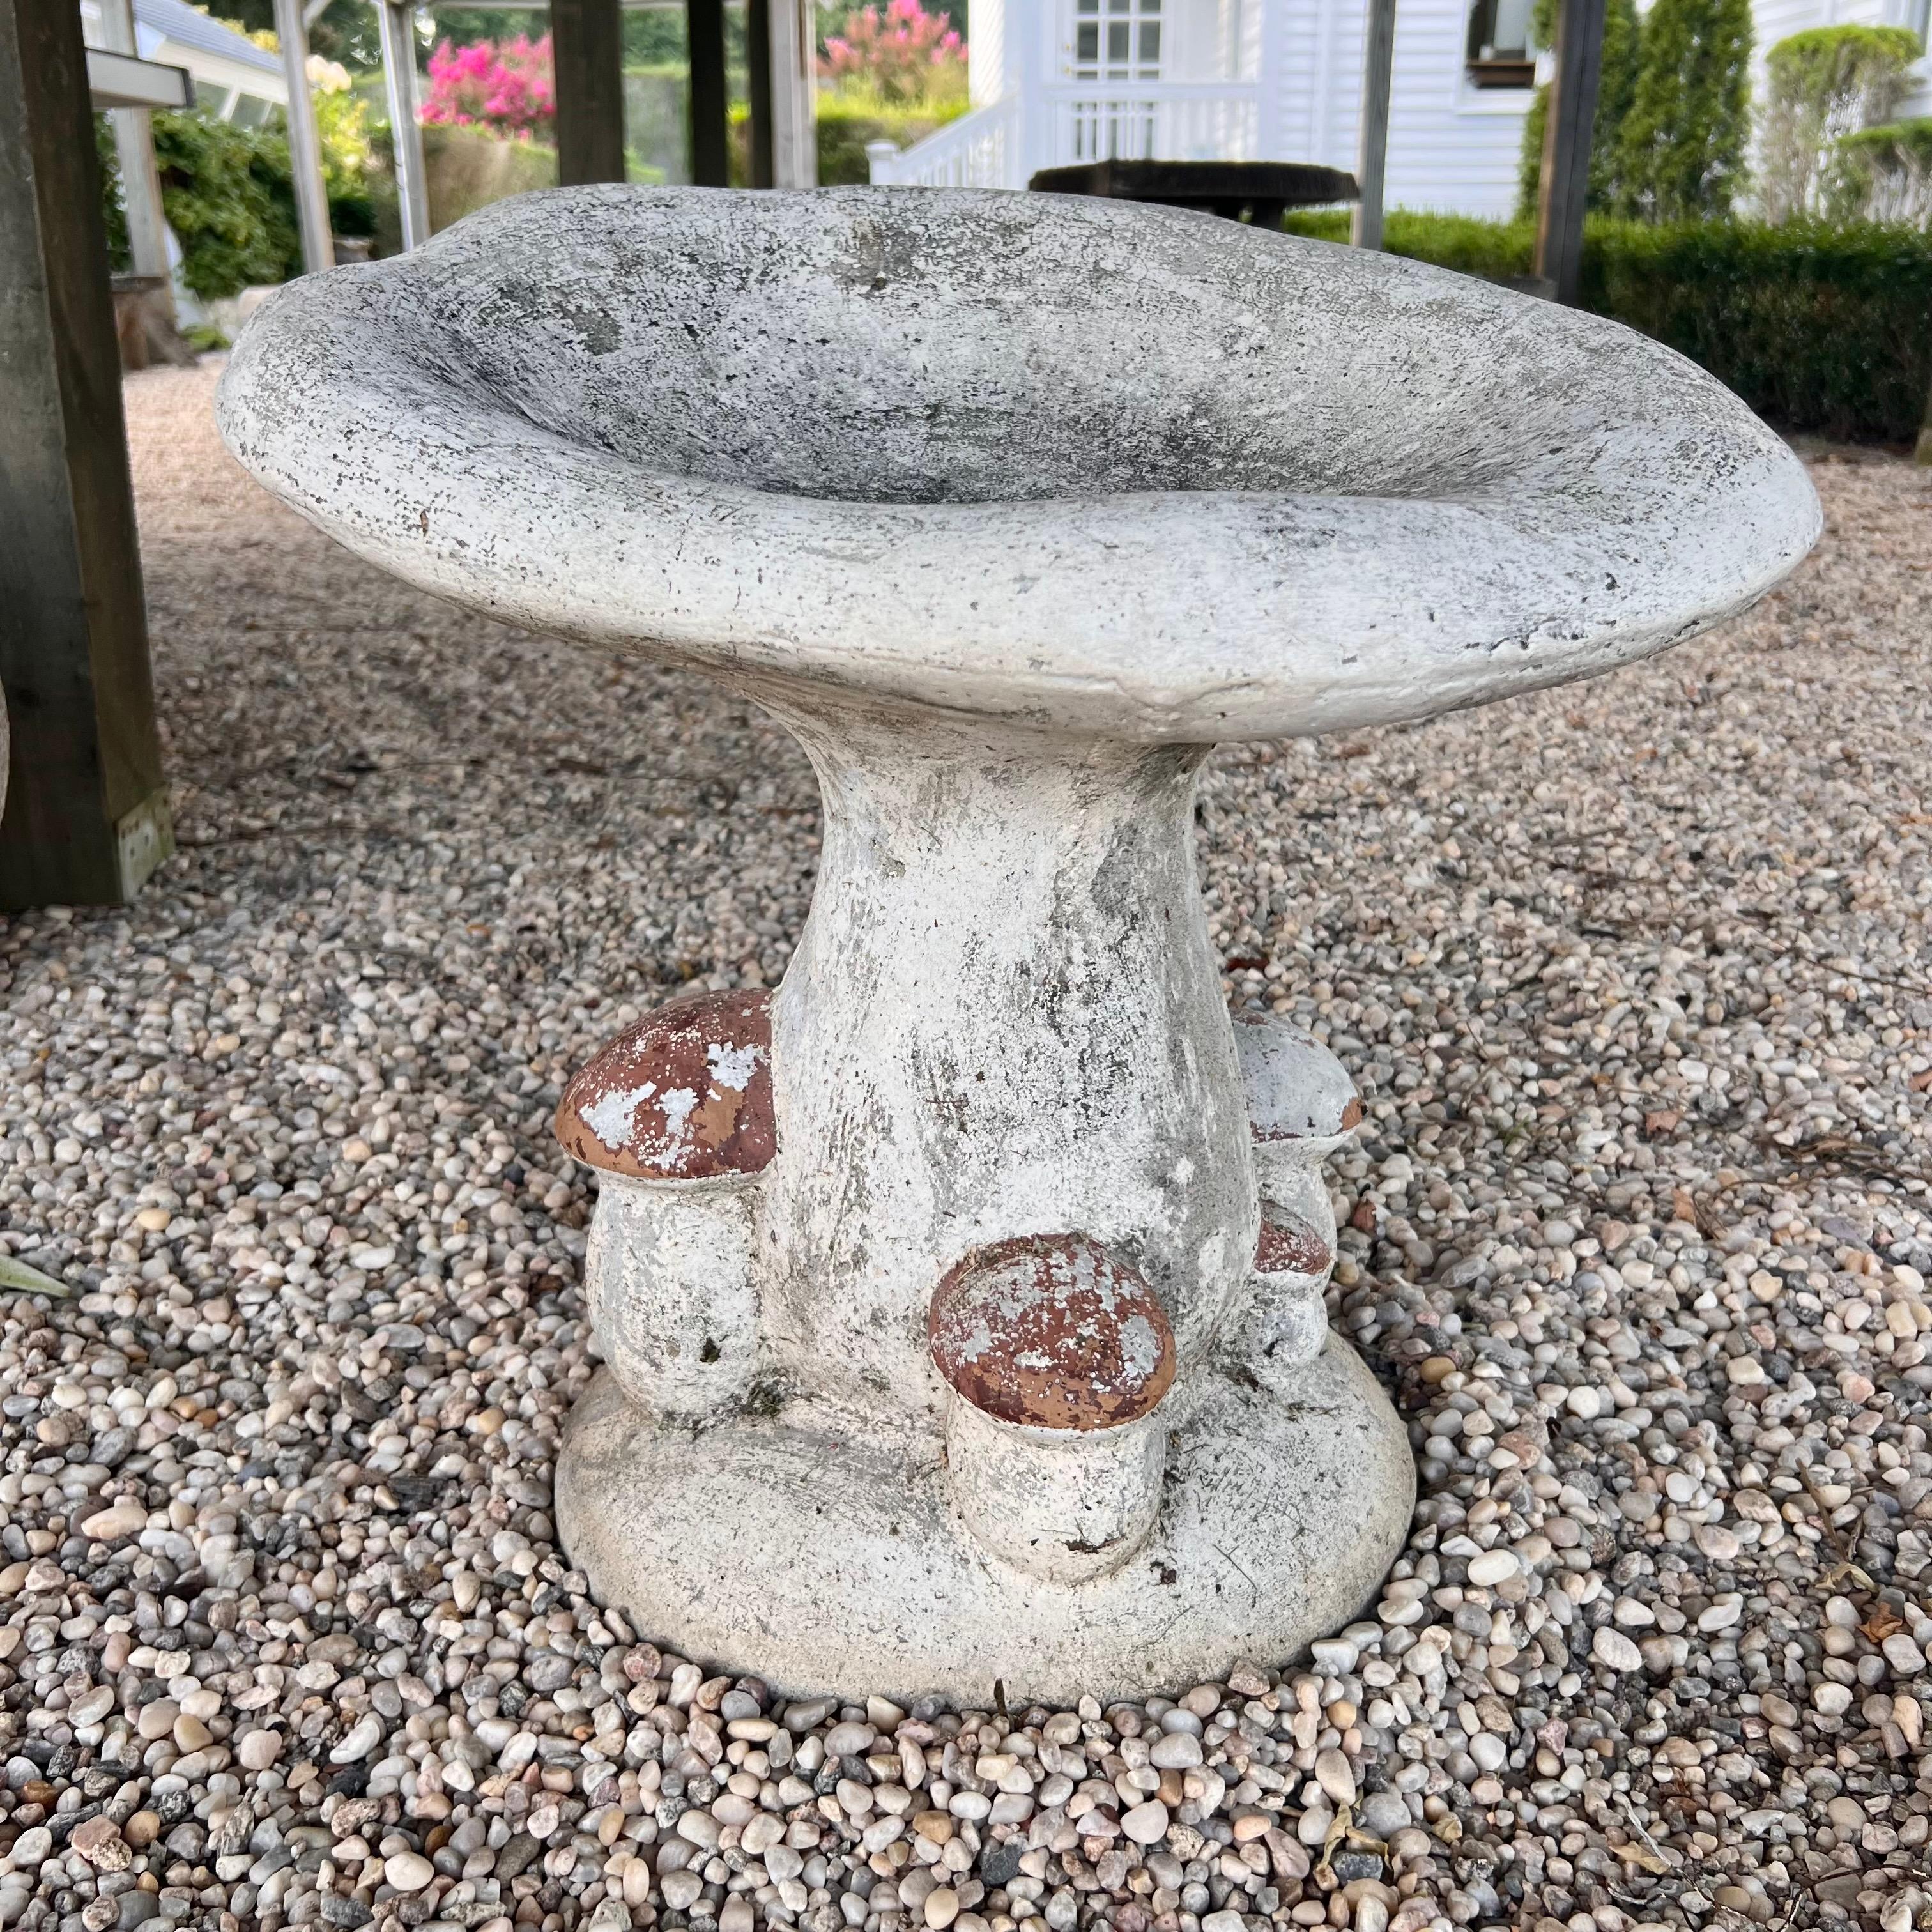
column 1566, row 148
column 710, row 125
column 396, row 20
column 587, row 38
column 758, row 66
column 134, row 148
column 318, row 245
column 794, row 77
column 1365, row 223
column 86, row 817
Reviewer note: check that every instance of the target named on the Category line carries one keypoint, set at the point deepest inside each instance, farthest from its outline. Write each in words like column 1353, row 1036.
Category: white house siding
column 1453, row 149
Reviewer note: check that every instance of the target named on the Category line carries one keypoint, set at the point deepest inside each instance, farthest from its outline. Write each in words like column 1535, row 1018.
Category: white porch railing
column 1003, row 144
column 981, row 149
column 1148, row 121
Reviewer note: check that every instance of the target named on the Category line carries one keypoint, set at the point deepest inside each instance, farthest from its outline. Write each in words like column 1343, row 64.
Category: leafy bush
column 1888, row 170
column 902, row 55
column 1681, row 154
column 504, row 85
column 467, row 168
column 118, row 257
column 342, row 128
column 1617, row 89
column 229, row 192
column 845, row 125
column 228, row 196
column 1824, row 86
column 1817, row 327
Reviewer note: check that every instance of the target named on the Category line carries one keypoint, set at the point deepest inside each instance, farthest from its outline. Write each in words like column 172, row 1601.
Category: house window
column 1502, row 48
column 1117, row 40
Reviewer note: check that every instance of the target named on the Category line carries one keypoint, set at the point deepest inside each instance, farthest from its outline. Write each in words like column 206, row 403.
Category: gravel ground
column 1636, row 981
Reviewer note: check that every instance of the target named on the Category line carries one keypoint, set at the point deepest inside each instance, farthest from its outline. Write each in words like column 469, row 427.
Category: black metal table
column 1262, row 190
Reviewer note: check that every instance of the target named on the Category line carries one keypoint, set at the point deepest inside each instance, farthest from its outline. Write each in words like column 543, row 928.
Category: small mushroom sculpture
column 1302, row 1109
column 1057, row 1355
column 676, row 1115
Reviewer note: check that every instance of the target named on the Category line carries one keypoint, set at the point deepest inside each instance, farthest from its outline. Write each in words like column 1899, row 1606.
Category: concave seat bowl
column 1116, row 469
column 1010, row 507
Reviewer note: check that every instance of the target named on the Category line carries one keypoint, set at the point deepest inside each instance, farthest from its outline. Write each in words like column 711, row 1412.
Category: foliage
column 503, row 85
column 1816, row 327
column 342, row 128
column 1888, row 171
column 1682, row 156
column 1823, row 85
column 119, row 257
column 467, row 168
column 228, row 196
column 902, row 56
column 344, row 31
column 845, row 124
column 1615, row 91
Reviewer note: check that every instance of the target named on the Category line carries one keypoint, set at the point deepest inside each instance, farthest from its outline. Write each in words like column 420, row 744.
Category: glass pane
column 1512, row 27
column 1150, row 41
column 488, row 107
column 657, row 93
column 1087, row 45
column 1117, row 40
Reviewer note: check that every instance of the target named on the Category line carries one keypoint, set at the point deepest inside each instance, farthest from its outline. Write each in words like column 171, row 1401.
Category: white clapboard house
column 1057, row 82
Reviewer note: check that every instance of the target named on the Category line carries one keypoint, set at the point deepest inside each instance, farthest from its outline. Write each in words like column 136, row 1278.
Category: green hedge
column 844, row 127
column 1817, row 328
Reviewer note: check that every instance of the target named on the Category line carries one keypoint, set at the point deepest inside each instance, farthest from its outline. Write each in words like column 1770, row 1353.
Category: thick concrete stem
column 1004, row 1017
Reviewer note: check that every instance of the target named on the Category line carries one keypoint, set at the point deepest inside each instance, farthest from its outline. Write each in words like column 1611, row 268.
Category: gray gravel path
column 1636, row 979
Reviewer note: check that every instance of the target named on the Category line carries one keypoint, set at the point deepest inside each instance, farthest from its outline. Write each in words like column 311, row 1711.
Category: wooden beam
column 396, row 21
column 1567, row 134
column 587, row 38
column 710, row 127
column 318, row 244
column 1365, row 223
column 86, row 818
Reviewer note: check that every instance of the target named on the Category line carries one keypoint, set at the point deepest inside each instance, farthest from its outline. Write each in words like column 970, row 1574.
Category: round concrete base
column 809, row 1548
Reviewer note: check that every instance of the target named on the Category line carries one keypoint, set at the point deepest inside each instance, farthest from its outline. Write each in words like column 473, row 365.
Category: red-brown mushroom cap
column 1288, row 1245
column 684, row 1095
column 1050, row 1330
column 1297, row 1089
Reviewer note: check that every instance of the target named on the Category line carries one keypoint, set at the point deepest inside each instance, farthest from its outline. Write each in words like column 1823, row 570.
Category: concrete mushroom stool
column 1010, row 507
column 675, row 1113
column 1302, row 1108
column 1057, row 1355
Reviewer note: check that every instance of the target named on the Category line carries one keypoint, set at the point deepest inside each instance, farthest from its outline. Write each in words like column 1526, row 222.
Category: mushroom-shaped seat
column 1119, row 470
column 1058, row 1354
column 1008, row 507
column 1050, row 1331
column 676, row 1113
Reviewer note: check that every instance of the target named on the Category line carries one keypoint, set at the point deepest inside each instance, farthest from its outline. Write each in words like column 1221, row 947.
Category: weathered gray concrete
column 1008, row 507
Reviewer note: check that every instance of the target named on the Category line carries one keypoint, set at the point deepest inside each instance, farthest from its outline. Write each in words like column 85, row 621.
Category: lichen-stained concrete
column 1008, row 508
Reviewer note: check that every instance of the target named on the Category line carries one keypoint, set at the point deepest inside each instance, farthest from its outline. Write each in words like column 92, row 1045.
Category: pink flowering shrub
column 503, row 85
column 902, row 54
